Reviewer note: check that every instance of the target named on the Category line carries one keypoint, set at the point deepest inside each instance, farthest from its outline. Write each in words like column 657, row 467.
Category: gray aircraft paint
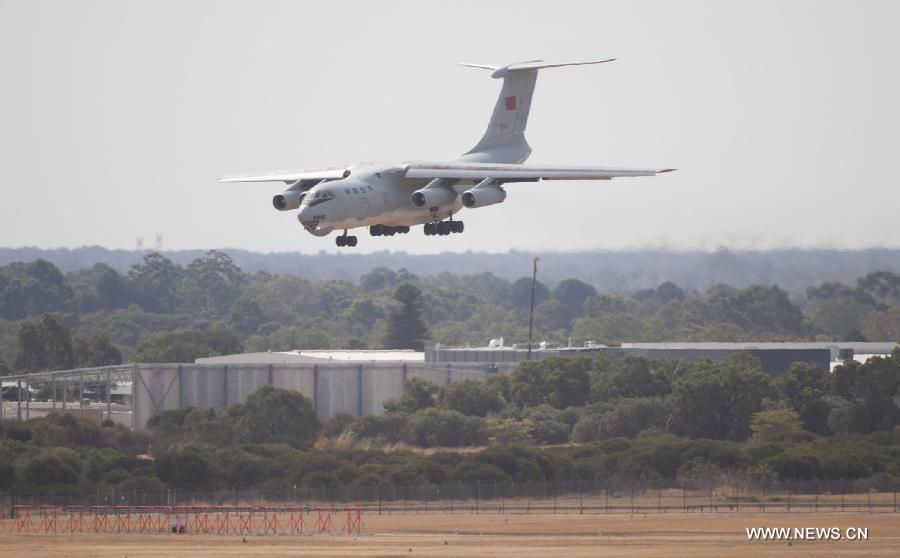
column 381, row 193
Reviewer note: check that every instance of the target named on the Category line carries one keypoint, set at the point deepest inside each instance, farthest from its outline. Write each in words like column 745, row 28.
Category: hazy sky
column 119, row 117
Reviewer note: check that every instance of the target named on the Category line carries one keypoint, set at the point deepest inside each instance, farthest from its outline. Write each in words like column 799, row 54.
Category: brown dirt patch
column 468, row 535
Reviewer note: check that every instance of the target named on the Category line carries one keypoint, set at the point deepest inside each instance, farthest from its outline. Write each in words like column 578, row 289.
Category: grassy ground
column 469, row 535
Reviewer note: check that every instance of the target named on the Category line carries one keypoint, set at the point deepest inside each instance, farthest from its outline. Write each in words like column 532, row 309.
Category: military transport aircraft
column 389, row 198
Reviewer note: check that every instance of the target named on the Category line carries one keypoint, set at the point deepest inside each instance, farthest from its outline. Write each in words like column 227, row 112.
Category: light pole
column 531, row 311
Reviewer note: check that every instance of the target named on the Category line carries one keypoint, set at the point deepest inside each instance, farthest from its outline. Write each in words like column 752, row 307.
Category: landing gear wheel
column 345, row 240
column 404, row 229
column 429, row 229
column 443, row 228
column 457, row 227
column 376, row 230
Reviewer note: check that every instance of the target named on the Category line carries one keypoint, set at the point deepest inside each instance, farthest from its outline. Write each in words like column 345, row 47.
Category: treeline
column 563, row 418
column 794, row 269
column 162, row 311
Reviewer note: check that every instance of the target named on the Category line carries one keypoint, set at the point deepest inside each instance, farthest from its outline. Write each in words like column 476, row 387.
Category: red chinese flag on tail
column 511, row 103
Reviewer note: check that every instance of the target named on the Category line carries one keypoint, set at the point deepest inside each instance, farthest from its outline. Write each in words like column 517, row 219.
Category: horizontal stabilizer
column 528, row 66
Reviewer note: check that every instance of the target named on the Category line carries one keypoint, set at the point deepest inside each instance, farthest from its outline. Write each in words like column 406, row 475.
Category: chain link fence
column 624, row 496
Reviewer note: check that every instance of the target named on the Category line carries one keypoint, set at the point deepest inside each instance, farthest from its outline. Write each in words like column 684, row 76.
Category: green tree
column 113, row 290
column 568, row 381
column 245, row 316
column 520, row 294
column 572, row 293
column 551, row 315
column 874, row 384
column 45, row 344
column 33, row 288
column 274, row 415
column 187, row 345
column 470, row 397
column 187, row 466
column 882, row 325
column 630, row 377
column 625, row 417
column 378, row 278
column 58, row 430
column 53, row 467
column 778, row 426
column 417, row 394
column 717, row 399
column 7, row 473
column 211, row 284
column 444, row 428
column 405, row 328
column 95, row 350
column 805, row 388
column 528, row 384
column 557, row 381
column 155, row 281
column 837, row 309
column 881, row 286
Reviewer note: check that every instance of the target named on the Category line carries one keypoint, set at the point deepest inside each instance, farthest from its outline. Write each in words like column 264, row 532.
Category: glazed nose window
column 320, row 197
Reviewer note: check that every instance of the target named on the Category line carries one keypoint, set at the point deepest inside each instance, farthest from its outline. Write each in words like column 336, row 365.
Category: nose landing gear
column 345, row 240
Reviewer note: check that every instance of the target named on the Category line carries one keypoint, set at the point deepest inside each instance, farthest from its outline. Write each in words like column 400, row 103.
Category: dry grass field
column 670, row 535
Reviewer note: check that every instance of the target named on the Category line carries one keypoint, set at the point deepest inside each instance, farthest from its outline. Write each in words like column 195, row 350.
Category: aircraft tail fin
column 504, row 140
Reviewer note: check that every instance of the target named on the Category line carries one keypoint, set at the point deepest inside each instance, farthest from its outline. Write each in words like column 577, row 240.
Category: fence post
column 477, row 494
column 789, row 496
column 762, row 501
column 816, row 500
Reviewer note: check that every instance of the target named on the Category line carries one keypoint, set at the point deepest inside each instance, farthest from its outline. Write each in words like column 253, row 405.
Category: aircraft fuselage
column 372, row 195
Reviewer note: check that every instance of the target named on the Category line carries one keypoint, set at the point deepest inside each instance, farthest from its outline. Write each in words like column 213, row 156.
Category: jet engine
column 286, row 201
column 433, row 196
column 482, row 196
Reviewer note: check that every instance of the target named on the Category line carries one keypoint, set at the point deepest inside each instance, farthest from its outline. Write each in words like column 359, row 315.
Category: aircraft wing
column 290, row 176
column 519, row 173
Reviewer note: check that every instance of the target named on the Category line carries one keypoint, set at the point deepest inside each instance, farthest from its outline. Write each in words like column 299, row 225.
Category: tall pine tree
column 405, row 328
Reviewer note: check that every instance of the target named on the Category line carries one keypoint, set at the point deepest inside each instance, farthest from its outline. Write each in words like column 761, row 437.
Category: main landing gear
column 345, row 240
column 444, row 228
column 384, row 230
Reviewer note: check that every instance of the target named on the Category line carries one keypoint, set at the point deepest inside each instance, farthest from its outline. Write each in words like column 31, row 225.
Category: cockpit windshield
column 319, row 197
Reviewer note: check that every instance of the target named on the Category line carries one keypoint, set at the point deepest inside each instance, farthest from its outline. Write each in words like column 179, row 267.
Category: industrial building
column 355, row 382
column 775, row 358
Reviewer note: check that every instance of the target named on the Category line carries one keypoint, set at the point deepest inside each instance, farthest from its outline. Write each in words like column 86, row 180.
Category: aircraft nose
column 305, row 213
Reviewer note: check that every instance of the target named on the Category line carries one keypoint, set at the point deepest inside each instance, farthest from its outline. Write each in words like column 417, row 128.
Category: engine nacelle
column 286, row 201
column 433, row 196
column 482, row 196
